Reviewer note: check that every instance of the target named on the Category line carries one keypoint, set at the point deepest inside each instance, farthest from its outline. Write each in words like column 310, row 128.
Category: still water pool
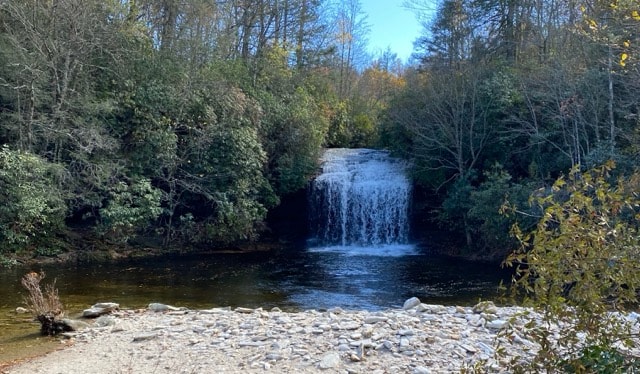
column 289, row 278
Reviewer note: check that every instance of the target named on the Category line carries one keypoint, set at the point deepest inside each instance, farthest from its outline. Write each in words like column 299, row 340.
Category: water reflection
column 293, row 278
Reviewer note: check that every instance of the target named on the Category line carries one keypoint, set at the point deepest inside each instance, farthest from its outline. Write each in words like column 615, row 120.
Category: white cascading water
column 361, row 199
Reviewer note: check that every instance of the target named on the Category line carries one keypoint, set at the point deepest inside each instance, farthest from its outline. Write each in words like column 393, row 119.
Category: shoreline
column 419, row 338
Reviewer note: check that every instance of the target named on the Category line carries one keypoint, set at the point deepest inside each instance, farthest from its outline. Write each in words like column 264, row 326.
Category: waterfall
column 360, row 199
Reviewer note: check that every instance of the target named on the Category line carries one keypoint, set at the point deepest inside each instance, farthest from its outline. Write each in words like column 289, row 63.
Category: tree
column 613, row 26
column 447, row 118
column 350, row 40
column 451, row 37
column 52, row 50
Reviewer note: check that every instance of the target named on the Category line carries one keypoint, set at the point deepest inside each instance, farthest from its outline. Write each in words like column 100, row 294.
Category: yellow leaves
column 635, row 15
column 559, row 183
column 593, row 25
column 623, row 59
column 626, row 44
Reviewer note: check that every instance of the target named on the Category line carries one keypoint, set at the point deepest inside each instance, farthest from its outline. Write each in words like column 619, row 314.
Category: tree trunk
column 612, row 125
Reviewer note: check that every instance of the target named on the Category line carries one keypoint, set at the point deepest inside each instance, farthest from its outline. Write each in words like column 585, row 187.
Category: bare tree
column 447, row 121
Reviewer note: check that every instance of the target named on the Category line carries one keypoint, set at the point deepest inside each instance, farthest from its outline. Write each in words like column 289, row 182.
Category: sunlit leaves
column 581, row 261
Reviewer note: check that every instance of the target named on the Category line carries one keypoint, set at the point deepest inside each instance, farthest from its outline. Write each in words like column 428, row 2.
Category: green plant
column 579, row 268
column 33, row 206
column 602, row 360
column 7, row 262
column 47, row 251
column 131, row 207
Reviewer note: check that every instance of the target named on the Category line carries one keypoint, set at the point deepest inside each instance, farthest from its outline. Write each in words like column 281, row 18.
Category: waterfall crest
column 361, row 199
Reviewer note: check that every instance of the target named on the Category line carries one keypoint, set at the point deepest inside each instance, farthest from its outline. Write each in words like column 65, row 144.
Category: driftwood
column 51, row 325
column 45, row 306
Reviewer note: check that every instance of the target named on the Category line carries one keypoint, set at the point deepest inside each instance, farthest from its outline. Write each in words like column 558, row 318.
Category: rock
column 411, row 303
column 100, row 309
column 159, row 307
column 104, row 321
column 274, row 357
column 111, row 306
column 329, row 361
column 434, row 309
column 243, row 310
column 145, row 336
column 93, row 312
column 405, row 344
column 375, row 319
column 118, row 327
column 497, row 324
column 520, row 340
column 75, row 325
column 422, row 339
column 405, row 332
column 350, row 326
column 485, row 307
column 21, row 310
column 468, row 348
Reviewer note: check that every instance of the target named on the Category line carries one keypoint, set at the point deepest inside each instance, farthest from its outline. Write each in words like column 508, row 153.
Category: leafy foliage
column 491, row 228
column 33, row 205
column 130, row 208
column 578, row 265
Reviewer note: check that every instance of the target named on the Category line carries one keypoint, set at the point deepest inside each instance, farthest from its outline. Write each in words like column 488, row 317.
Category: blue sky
column 391, row 26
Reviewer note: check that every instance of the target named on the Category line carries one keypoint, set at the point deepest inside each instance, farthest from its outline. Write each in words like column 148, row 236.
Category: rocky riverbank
column 419, row 338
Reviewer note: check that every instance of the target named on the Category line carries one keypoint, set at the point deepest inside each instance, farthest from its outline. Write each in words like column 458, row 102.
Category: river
column 292, row 278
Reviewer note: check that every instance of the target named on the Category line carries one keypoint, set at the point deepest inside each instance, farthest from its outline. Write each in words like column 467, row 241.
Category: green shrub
column 131, row 207
column 580, row 264
column 33, row 206
column 602, row 360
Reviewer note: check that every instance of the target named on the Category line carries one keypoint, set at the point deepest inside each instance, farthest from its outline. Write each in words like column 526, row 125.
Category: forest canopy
column 180, row 120
column 187, row 121
column 508, row 95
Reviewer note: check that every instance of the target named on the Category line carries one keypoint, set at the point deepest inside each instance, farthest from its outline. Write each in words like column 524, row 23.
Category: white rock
column 159, row 307
column 497, row 324
column 375, row 319
column 411, row 303
column 329, row 361
column 243, row 310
